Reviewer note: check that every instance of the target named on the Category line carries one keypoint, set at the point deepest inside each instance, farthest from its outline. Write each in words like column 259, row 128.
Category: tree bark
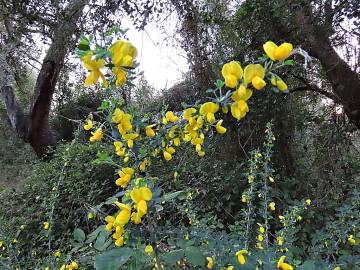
column 344, row 81
column 16, row 116
column 37, row 129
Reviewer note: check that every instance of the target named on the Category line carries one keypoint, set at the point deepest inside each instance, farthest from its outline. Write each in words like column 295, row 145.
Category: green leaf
column 113, row 259
column 219, row 84
column 173, row 256
column 308, row 265
column 173, row 195
column 79, row 235
column 92, row 236
column 84, row 44
column 289, row 62
column 195, row 256
column 101, row 243
column 104, row 105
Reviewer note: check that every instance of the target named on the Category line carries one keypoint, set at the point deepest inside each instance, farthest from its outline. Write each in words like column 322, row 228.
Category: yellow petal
column 270, row 49
column 258, row 83
column 145, row 193
column 232, row 73
column 167, row 156
column 283, row 51
column 252, row 71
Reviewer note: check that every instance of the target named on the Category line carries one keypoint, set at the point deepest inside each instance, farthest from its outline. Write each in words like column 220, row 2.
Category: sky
column 162, row 62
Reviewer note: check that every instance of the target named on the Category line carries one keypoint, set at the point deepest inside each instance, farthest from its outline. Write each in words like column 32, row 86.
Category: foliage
column 61, row 191
column 220, row 213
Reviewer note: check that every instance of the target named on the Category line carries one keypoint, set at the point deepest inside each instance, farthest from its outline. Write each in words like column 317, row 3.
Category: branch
column 316, row 89
column 40, row 135
column 15, row 113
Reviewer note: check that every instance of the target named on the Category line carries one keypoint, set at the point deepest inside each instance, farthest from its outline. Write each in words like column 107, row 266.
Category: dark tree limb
column 40, row 135
column 36, row 129
column 314, row 88
column 16, row 116
column 315, row 38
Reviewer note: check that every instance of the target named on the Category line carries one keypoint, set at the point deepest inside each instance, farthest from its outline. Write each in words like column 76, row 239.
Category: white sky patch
column 160, row 59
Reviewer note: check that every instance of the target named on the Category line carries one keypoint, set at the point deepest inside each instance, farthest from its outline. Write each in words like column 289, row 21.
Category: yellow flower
column 118, row 236
column 261, row 228
column 277, row 52
column 143, row 164
column 119, row 148
column 260, row 238
column 308, row 202
column 140, row 196
column 170, row 117
column 46, row 225
column 244, row 198
column 97, row 135
column 230, row 267
column 63, row 267
column 117, row 115
column 282, row 265
column 242, row 93
column 351, row 240
column 110, row 223
column 130, row 137
column 210, row 264
column 125, row 177
column 73, row 266
column 124, row 215
column 167, row 155
column 337, row 268
column 93, row 66
column 170, row 150
column 201, row 153
column 149, row 131
column 259, row 245
column 241, row 256
column 279, row 83
column 239, row 109
column 255, row 74
column 123, row 53
column 177, row 141
column 299, row 218
column 88, row 125
column 208, row 110
column 271, row 179
column 119, row 242
column 232, row 73
column 187, row 113
column 57, row 254
column 219, row 128
column 120, row 76
column 124, row 125
column 149, row 250
column 280, row 240
column 90, row 215
column 272, row 206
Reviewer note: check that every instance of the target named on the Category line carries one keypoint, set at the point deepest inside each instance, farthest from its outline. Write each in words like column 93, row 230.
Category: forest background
column 316, row 124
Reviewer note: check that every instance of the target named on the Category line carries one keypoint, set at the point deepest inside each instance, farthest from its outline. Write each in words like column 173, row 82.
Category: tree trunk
column 37, row 130
column 345, row 82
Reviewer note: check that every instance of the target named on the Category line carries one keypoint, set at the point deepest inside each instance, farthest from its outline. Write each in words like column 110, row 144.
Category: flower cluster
column 122, row 53
column 163, row 135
